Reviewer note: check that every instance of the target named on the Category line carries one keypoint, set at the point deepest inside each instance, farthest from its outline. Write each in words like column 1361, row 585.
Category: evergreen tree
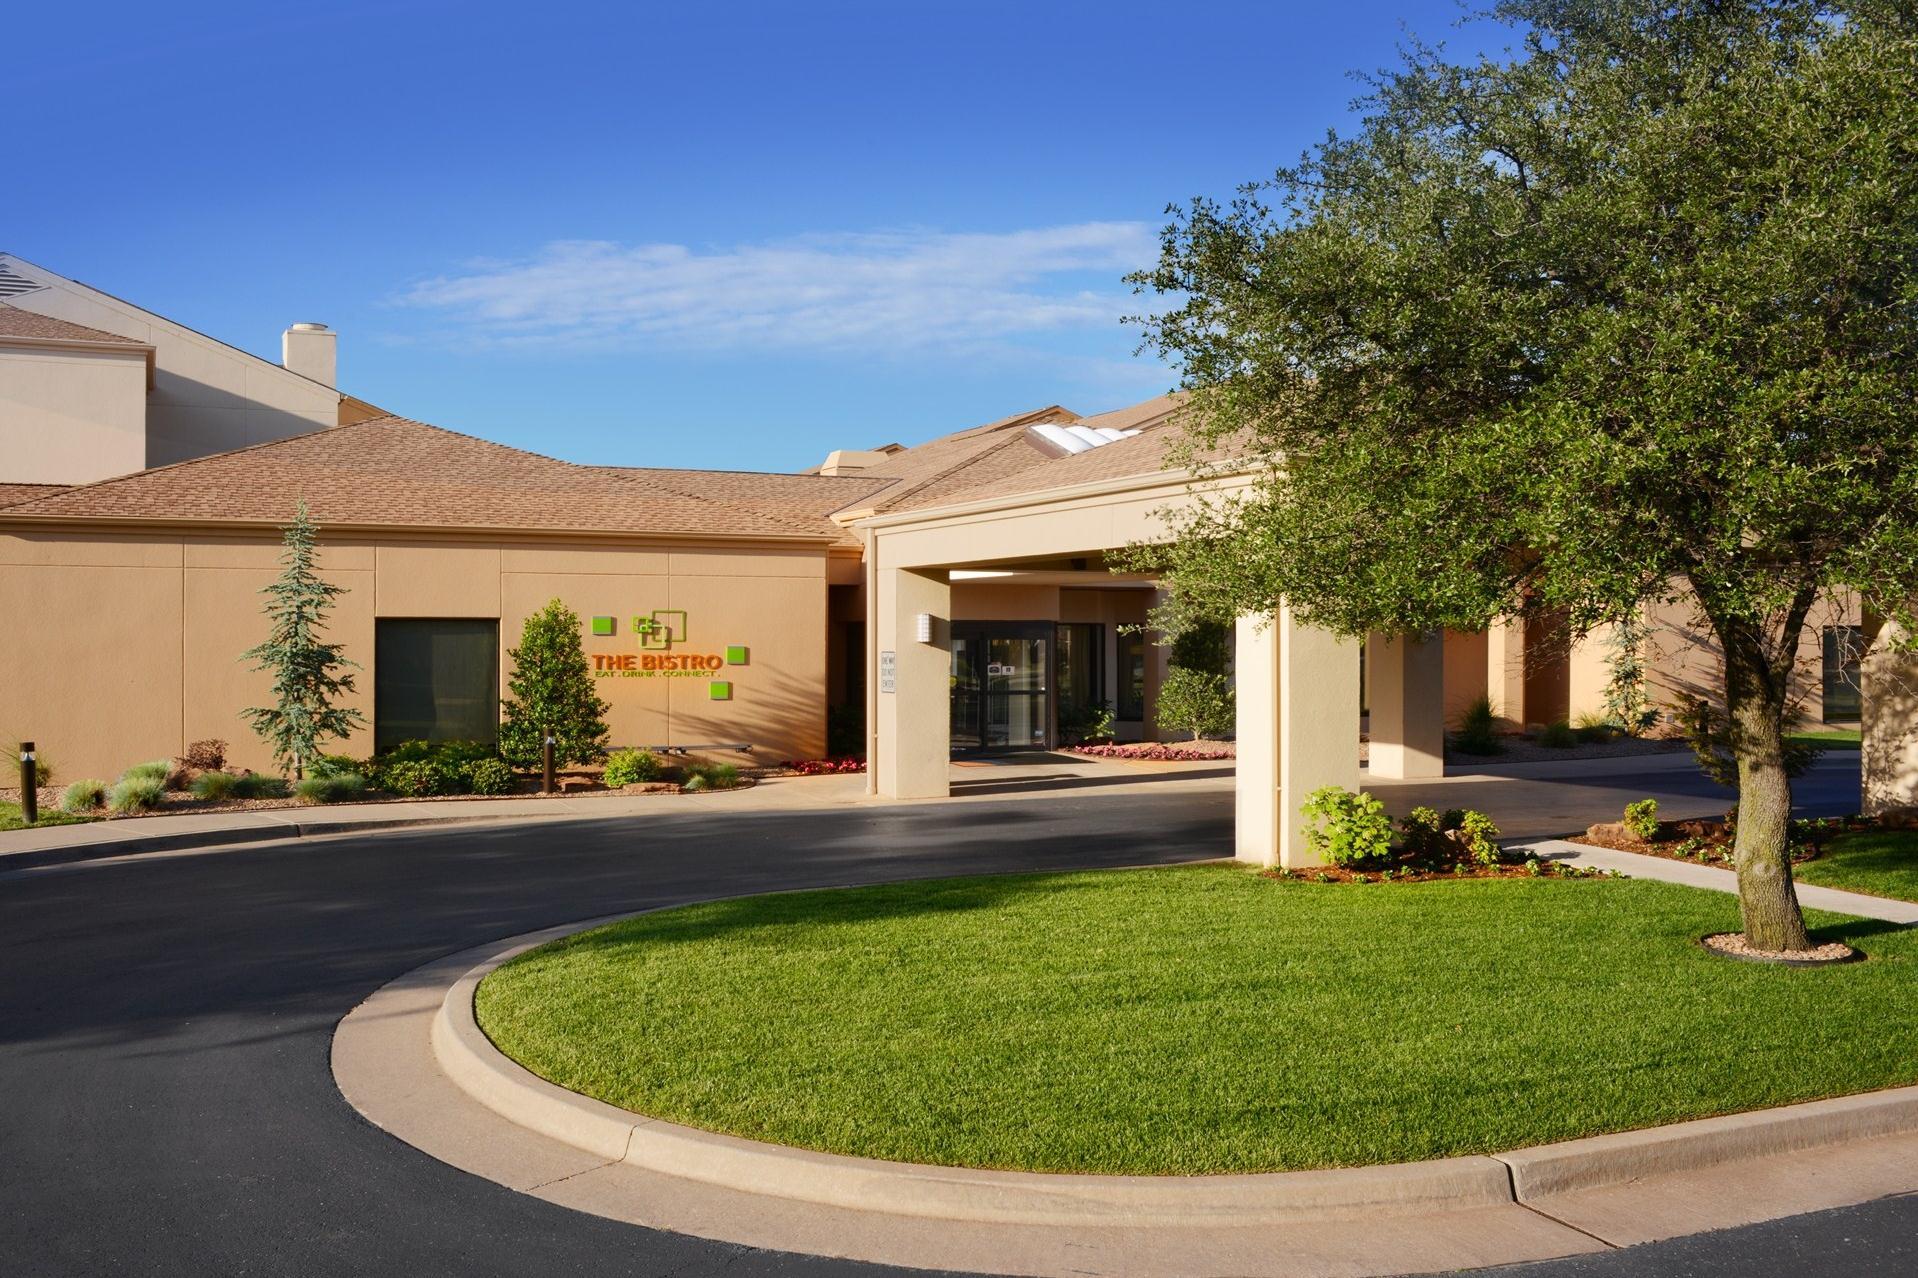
column 551, row 690
column 306, row 682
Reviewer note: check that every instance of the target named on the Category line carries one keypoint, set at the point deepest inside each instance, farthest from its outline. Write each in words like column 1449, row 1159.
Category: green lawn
column 12, row 818
column 1201, row 1019
column 1881, row 862
column 1830, row 738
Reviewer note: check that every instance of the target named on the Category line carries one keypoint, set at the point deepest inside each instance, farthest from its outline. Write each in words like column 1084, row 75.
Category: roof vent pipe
column 311, row 350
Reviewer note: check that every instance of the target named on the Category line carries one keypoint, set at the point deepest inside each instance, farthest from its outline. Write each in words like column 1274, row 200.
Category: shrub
column 489, row 776
column 156, row 770
column 710, row 776
column 258, row 785
column 1641, row 819
column 1424, row 832
column 846, row 731
column 629, row 767
column 1479, row 836
column 335, row 765
column 1346, row 829
column 45, row 775
column 205, row 756
column 215, row 785
column 1089, row 722
column 1558, row 736
column 1478, row 728
column 1591, row 726
column 137, row 793
column 419, row 778
column 1195, row 701
column 337, row 787
column 432, row 767
column 83, row 797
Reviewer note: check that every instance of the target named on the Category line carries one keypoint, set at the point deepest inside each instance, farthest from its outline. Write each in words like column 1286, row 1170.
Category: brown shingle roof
column 14, row 494
column 15, row 322
column 809, row 499
column 1009, row 461
column 394, row 471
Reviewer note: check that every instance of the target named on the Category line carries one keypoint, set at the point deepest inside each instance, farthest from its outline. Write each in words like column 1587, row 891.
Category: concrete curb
column 231, row 837
column 470, row 1060
column 1598, row 1161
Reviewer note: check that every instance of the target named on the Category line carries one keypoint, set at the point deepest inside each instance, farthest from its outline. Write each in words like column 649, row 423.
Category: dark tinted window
column 435, row 680
column 1844, row 652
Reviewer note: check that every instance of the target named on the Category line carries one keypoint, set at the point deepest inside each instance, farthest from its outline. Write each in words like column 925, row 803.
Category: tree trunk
column 1756, row 701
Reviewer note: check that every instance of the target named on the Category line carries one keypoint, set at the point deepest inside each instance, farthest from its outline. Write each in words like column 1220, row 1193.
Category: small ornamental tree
column 306, row 670
column 1626, row 315
column 551, row 691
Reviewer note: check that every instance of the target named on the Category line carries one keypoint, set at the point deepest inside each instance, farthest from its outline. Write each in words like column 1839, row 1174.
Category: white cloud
column 880, row 291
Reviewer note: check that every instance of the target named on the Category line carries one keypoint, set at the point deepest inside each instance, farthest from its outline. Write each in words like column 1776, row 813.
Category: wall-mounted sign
column 658, row 632
column 888, row 672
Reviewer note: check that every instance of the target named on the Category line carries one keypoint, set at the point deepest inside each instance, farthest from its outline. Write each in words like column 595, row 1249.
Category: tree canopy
column 1629, row 312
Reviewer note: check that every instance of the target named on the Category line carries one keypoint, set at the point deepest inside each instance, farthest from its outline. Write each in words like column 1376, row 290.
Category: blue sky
column 700, row 235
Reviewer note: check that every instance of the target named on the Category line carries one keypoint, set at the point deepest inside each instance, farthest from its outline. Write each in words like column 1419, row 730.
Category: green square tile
column 720, row 690
column 735, row 654
column 603, row 626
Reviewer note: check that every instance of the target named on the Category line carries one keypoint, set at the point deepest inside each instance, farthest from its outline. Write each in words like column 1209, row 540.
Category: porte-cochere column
column 1298, row 730
column 912, row 731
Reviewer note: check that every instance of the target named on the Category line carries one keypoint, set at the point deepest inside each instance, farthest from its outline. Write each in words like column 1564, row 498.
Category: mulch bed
column 1708, row 841
column 182, row 802
column 1428, row 874
column 1159, row 751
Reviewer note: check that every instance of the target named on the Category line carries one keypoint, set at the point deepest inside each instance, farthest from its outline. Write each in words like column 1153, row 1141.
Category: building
column 924, row 601
column 92, row 386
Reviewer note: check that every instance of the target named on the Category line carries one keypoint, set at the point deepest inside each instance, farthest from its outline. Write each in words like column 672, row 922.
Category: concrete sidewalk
column 167, row 832
column 1691, row 874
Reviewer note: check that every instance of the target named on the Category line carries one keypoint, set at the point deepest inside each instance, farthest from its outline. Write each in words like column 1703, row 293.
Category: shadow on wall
column 1889, row 743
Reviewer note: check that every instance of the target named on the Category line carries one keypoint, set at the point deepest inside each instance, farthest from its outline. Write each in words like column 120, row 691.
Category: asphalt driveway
column 166, row 1105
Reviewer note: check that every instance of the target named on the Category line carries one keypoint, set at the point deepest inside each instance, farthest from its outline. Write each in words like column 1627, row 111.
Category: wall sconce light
column 922, row 627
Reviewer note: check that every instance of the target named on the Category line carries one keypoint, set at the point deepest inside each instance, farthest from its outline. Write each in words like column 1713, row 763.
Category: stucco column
column 1158, row 657
column 1406, row 678
column 915, row 695
column 1890, row 727
column 1298, row 718
column 1505, row 669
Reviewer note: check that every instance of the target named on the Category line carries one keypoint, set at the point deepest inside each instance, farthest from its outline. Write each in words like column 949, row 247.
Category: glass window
column 1131, row 675
column 1844, row 656
column 435, row 680
column 1081, row 674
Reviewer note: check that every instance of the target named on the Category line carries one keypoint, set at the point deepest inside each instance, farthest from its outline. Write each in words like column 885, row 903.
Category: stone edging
column 1523, row 1176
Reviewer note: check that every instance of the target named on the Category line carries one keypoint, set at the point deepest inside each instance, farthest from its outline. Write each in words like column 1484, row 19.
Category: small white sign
column 888, row 672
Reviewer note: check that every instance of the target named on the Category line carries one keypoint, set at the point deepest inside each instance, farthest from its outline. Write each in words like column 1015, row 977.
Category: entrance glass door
column 1015, row 713
column 966, row 701
column 1001, row 682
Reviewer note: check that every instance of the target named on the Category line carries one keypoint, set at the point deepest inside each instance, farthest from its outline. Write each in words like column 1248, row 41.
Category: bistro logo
column 658, row 632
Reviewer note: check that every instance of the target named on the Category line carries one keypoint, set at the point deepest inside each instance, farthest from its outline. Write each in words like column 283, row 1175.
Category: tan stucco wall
column 67, row 416
column 1682, row 655
column 123, row 648
column 207, row 397
column 1890, row 728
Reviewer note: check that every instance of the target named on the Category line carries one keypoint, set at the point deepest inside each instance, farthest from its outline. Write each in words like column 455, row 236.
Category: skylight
column 1079, row 439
